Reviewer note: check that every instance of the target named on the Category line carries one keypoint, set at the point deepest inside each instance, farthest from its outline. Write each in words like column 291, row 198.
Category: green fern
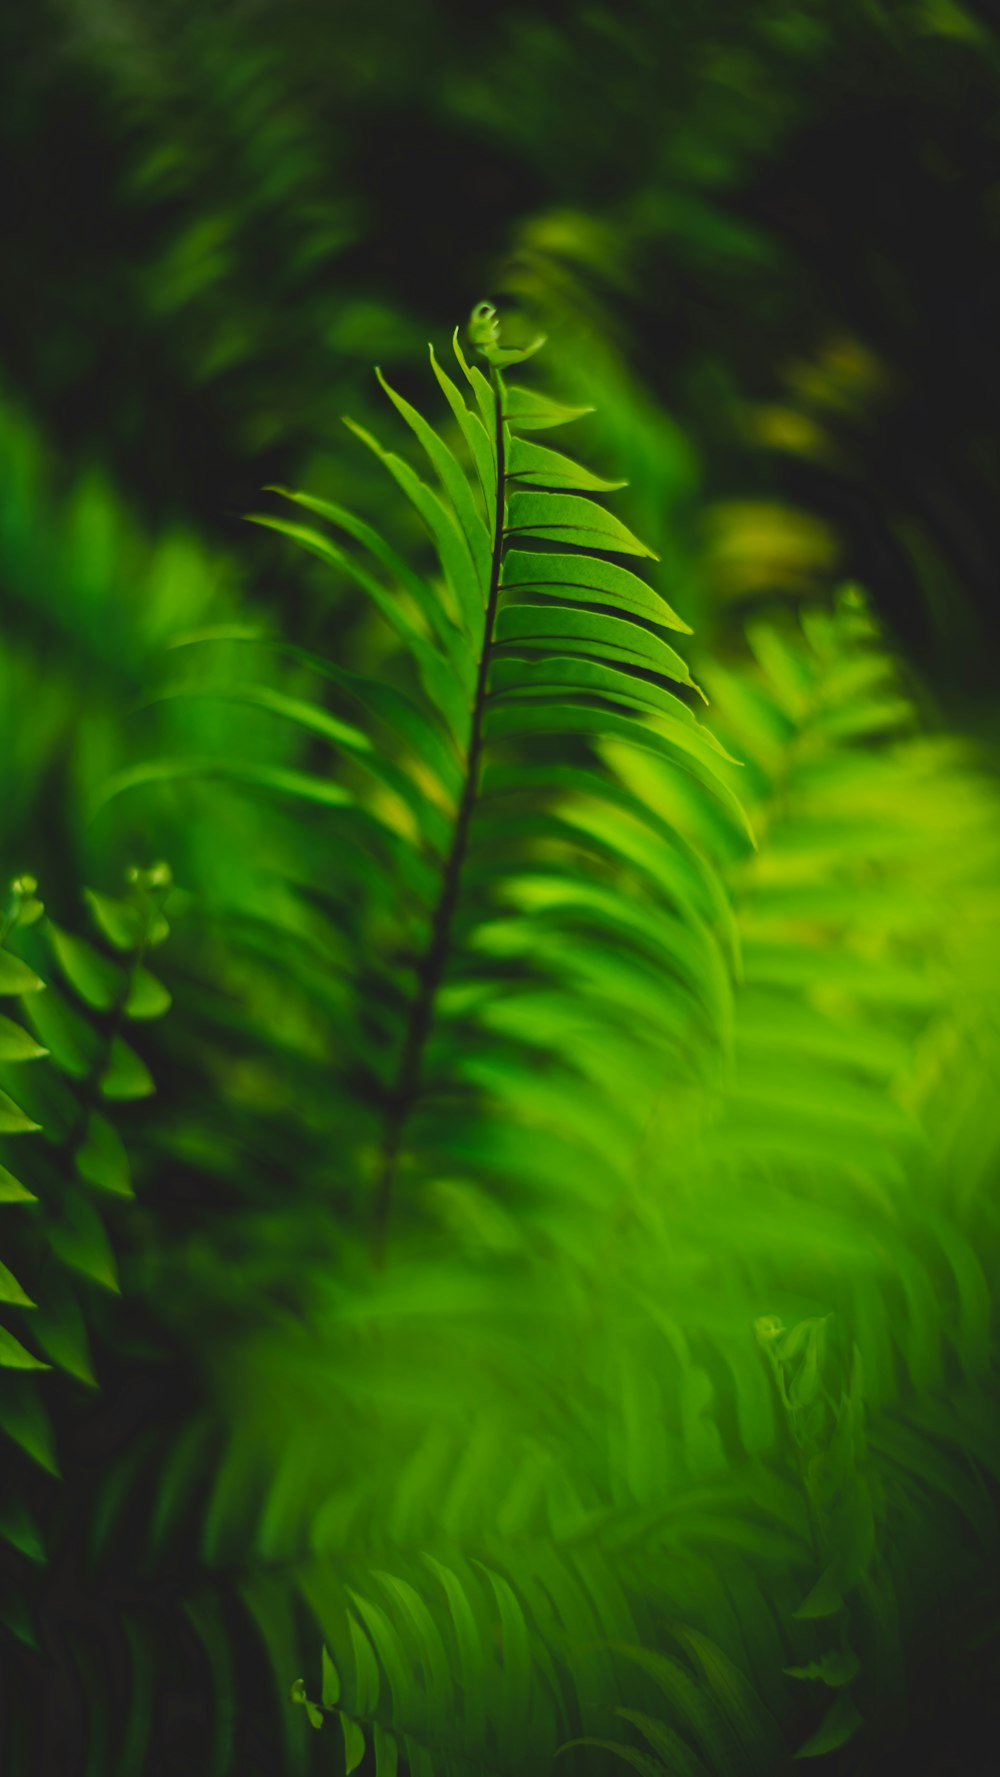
column 64, row 1247
column 515, row 651
column 624, row 1447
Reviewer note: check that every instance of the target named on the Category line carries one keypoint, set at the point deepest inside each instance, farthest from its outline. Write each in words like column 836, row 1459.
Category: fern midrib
column 432, row 966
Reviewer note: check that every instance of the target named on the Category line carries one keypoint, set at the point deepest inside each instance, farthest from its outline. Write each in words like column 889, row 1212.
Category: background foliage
column 573, row 1472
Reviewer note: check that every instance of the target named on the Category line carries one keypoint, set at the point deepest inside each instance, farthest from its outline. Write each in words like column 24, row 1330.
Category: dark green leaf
column 24, row 1419
column 628, row 1755
column 21, row 1531
column 331, row 1681
column 680, row 1759
column 101, row 1158
column 61, row 1332
column 354, row 1744
column 837, row 1668
column 79, row 1240
column 386, row 1752
column 840, row 1724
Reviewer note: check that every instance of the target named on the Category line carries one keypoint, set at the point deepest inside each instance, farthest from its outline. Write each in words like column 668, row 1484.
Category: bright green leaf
column 94, row 977
column 126, row 1076
column 17, row 1044
column 13, row 1120
column 147, row 997
column 16, row 977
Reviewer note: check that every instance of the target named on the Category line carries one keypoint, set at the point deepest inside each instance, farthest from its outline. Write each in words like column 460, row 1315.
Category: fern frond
column 509, row 645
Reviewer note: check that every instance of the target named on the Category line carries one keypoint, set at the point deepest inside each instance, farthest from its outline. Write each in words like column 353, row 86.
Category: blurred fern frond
column 558, row 1202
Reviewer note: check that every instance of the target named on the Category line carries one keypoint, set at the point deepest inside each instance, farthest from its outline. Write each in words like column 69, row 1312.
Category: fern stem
column 432, row 966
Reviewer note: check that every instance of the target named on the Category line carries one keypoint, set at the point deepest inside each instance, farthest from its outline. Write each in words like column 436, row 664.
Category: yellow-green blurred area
column 680, row 1453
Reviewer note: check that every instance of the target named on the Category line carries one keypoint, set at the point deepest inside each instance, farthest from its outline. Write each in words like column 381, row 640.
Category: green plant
column 587, row 1318
column 76, row 998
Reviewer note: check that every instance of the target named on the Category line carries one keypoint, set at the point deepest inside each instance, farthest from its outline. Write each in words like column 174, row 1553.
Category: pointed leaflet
column 472, row 1651
column 366, row 1676
column 567, row 518
column 750, row 1721
column 97, row 980
column 670, row 738
column 101, row 1158
column 344, row 736
column 11, row 1189
column 61, row 1332
column 388, row 705
column 273, row 778
column 15, row 1356
column 147, row 997
column 81, row 1242
column 13, row 1121
column 530, row 412
column 637, row 1760
column 123, row 924
column 68, row 1035
column 515, row 1645
column 24, row 1420
column 11, row 1291
column 485, row 398
column 354, row 1744
column 386, row 1752
column 532, row 465
column 20, row 1530
column 629, row 921
column 540, row 625
column 699, row 1712
column 454, row 481
column 16, row 977
column 437, row 674
column 681, row 1760
column 480, row 442
column 16, row 1043
column 319, row 545
column 533, row 678
column 587, row 579
column 422, row 594
column 407, row 1694
column 126, row 1076
column 452, row 548
column 331, row 1681
column 429, row 1645
column 840, row 1723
